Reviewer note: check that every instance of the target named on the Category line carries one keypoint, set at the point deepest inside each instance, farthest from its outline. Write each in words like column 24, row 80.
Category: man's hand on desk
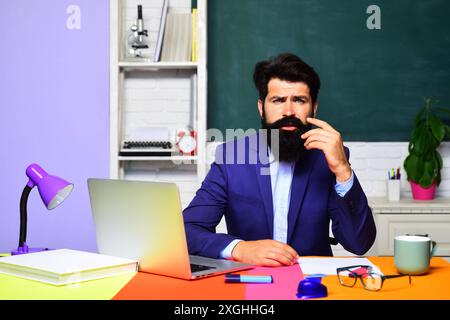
column 269, row 253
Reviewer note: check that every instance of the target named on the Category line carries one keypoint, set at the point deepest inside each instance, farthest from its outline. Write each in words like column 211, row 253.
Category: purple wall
column 54, row 94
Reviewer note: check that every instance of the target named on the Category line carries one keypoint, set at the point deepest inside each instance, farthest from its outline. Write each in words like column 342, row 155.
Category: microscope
column 137, row 45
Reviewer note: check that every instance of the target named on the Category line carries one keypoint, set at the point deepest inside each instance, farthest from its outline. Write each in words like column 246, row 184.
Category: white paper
column 329, row 265
column 149, row 134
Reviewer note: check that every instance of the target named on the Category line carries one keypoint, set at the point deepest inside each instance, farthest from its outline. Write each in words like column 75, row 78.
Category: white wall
column 372, row 160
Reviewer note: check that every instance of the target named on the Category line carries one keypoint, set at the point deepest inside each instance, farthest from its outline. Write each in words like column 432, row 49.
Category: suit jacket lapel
column 300, row 182
column 262, row 171
column 265, row 188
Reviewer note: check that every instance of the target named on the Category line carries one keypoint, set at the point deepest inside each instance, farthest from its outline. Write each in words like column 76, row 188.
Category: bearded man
column 275, row 215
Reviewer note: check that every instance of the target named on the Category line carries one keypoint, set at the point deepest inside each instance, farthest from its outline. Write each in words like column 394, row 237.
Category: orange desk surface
column 433, row 286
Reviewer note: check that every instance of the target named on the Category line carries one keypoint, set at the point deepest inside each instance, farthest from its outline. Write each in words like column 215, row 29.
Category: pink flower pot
column 421, row 193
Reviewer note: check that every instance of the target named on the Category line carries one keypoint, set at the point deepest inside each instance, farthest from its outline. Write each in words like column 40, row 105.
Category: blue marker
column 237, row 278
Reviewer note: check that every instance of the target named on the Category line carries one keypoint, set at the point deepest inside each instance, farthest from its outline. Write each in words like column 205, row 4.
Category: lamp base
column 25, row 249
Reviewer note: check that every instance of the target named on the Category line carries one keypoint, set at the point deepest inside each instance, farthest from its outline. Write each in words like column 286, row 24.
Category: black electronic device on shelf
column 147, row 149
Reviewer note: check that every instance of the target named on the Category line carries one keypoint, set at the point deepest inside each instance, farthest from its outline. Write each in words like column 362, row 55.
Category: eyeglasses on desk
column 370, row 280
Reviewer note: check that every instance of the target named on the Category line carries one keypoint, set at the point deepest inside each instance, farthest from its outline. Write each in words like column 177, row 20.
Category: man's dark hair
column 287, row 67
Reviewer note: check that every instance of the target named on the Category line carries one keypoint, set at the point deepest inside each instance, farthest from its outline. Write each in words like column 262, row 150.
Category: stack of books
column 177, row 37
column 65, row 266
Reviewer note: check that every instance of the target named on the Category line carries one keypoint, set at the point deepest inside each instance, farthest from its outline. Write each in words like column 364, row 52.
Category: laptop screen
column 143, row 221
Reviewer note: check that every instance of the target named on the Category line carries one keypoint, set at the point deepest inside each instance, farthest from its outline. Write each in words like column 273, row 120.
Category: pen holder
column 393, row 190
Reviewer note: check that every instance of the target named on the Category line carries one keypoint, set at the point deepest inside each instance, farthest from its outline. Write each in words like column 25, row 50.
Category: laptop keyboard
column 198, row 267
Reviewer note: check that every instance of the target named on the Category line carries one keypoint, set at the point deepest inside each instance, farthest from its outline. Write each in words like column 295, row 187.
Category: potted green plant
column 424, row 163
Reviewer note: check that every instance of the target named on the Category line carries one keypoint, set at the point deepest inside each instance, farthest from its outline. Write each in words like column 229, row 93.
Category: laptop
column 144, row 221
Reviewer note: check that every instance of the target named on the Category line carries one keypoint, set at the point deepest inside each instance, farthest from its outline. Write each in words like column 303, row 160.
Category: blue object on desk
column 311, row 287
column 236, row 278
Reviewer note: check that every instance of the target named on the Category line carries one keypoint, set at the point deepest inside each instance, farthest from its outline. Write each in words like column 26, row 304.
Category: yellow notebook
column 194, row 34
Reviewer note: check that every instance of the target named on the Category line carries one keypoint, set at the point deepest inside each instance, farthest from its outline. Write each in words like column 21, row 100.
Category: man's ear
column 260, row 107
column 316, row 105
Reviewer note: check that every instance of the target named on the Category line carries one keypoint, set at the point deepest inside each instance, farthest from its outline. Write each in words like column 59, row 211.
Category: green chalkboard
column 373, row 81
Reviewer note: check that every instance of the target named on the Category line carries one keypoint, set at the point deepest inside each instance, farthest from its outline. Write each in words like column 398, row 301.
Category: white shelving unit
column 157, row 94
column 155, row 66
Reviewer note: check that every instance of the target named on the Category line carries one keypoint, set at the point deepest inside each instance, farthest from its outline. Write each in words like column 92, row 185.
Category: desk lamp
column 53, row 191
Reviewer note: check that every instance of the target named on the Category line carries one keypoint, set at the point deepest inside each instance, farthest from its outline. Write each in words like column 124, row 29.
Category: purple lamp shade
column 53, row 190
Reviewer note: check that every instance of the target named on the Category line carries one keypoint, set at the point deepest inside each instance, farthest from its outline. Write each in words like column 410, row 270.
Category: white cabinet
column 407, row 216
column 144, row 93
column 411, row 217
column 436, row 226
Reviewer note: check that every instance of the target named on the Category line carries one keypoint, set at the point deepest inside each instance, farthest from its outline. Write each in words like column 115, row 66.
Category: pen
column 237, row 278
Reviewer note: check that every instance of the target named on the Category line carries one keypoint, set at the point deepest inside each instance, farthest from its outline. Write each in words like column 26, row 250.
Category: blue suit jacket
column 235, row 187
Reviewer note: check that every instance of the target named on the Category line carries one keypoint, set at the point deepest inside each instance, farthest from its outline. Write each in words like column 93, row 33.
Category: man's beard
column 290, row 145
